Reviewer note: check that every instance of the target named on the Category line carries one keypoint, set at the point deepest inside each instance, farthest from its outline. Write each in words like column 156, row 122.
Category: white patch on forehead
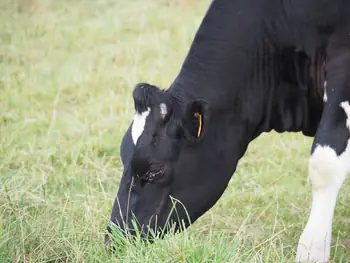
column 325, row 92
column 163, row 110
column 139, row 124
column 346, row 106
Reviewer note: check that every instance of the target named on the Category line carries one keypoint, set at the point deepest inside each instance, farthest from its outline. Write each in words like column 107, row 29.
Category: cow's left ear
column 195, row 119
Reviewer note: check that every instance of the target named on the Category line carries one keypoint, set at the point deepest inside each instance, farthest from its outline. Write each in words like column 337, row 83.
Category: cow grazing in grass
column 254, row 66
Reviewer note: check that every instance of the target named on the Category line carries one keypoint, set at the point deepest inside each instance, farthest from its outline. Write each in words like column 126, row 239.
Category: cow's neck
column 212, row 65
column 233, row 65
column 214, row 71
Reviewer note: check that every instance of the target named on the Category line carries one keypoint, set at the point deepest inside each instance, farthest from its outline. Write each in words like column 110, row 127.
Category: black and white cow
column 253, row 66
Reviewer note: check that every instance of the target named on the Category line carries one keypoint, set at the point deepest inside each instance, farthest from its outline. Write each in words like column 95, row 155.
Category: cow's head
column 170, row 161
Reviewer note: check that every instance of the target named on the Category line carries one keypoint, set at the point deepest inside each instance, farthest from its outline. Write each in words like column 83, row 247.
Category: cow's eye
column 149, row 177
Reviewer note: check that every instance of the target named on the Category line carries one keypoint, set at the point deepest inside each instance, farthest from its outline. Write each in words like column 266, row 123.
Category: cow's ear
column 145, row 95
column 195, row 119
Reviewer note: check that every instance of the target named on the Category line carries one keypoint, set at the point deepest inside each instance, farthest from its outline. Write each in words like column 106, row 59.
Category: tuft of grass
column 67, row 70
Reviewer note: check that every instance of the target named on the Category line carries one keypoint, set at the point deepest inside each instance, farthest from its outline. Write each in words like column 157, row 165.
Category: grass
column 67, row 70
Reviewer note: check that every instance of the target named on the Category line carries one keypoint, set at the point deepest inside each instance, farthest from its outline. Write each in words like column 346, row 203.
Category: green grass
column 67, row 70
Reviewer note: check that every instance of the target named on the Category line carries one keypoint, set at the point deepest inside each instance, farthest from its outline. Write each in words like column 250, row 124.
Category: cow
column 253, row 66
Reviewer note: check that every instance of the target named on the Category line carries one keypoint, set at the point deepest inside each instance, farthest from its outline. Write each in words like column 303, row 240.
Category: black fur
column 253, row 66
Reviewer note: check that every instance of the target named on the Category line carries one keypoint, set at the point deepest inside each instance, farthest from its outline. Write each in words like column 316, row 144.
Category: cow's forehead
column 140, row 119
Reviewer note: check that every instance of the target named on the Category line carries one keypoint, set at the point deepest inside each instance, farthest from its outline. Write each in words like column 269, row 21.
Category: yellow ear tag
column 200, row 124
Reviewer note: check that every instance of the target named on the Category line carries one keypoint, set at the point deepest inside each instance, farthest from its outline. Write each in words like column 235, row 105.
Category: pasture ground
column 67, row 70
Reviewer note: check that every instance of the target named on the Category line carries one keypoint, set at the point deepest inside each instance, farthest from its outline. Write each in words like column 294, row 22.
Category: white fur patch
column 139, row 124
column 346, row 106
column 325, row 92
column 327, row 172
column 163, row 110
column 324, row 165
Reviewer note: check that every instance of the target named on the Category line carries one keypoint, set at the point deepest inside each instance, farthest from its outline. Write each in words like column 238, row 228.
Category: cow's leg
column 329, row 162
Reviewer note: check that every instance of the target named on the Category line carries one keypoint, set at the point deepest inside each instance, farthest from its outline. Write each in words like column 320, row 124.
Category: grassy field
column 67, row 70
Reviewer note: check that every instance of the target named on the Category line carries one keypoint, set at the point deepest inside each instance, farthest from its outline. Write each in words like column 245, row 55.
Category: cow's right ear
column 195, row 119
column 145, row 95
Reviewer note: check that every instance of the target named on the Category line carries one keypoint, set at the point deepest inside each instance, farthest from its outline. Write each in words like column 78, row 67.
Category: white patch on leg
column 327, row 173
column 163, row 110
column 139, row 124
